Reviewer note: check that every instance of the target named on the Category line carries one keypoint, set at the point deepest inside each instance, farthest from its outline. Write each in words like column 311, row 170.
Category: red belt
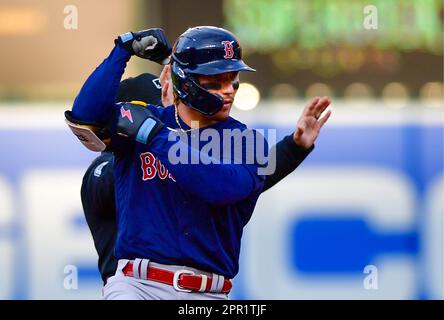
column 181, row 280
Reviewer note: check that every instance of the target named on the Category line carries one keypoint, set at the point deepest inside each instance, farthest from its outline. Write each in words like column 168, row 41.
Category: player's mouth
column 228, row 103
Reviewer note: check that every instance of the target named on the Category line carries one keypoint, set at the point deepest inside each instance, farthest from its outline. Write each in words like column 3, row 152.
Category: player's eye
column 218, row 86
column 211, row 86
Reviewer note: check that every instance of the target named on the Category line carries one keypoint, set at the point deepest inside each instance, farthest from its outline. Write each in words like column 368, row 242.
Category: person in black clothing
column 97, row 192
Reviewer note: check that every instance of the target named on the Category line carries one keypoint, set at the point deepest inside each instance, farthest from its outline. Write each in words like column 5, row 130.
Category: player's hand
column 167, row 86
column 151, row 44
column 310, row 123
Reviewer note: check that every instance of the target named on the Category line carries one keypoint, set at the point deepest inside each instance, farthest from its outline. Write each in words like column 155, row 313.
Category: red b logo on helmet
column 229, row 51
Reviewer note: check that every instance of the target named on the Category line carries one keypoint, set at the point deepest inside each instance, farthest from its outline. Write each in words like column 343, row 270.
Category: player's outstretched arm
column 208, row 181
column 214, row 182
column 211, row 181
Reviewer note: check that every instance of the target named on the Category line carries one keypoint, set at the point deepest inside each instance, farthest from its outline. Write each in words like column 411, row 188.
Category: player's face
column 225, row 85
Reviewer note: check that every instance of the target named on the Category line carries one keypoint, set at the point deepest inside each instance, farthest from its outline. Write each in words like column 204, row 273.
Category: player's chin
column 223, row 113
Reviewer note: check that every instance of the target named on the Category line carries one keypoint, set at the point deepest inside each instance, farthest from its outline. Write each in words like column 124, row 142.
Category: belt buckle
column 176, row 280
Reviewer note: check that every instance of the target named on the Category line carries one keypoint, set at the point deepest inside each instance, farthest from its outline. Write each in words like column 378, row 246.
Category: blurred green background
column 300, row 48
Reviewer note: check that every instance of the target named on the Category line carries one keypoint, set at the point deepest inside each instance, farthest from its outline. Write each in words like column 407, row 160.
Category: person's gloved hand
column 151, row 44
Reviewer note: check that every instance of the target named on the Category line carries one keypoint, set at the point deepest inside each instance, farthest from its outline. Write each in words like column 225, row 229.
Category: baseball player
column 179, row 226
column 97, row 190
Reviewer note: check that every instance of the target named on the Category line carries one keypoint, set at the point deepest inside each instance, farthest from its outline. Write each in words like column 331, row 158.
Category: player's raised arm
column 93, row 108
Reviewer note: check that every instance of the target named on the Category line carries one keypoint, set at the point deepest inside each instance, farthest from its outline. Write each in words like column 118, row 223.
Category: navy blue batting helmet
column 207, row 51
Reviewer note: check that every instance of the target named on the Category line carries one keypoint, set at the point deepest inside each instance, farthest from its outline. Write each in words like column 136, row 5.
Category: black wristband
column 296, row 151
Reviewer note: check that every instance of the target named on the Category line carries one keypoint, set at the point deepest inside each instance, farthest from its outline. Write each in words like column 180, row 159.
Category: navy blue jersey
column 172, row 213
column 184, row 214
column 98, row 197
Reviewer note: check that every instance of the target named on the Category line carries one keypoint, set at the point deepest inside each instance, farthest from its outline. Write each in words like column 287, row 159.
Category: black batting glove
column 151, row 44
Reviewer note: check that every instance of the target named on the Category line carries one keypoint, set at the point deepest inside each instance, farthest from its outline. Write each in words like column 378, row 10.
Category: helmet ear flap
column 192, row 94
column 178, row 78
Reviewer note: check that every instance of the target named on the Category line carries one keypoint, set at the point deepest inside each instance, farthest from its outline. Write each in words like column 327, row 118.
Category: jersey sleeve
column 96, row 99
column 95, row 115
column 94, row 110
column 288, row 157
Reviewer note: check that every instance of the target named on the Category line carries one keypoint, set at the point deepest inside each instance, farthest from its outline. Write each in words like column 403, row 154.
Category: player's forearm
column 95, row 100
column 215, row 183
column 288, row 157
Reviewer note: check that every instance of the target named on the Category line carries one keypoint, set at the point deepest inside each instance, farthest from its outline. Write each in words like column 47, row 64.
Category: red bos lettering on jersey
column 152, row 166
column 229, row 50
